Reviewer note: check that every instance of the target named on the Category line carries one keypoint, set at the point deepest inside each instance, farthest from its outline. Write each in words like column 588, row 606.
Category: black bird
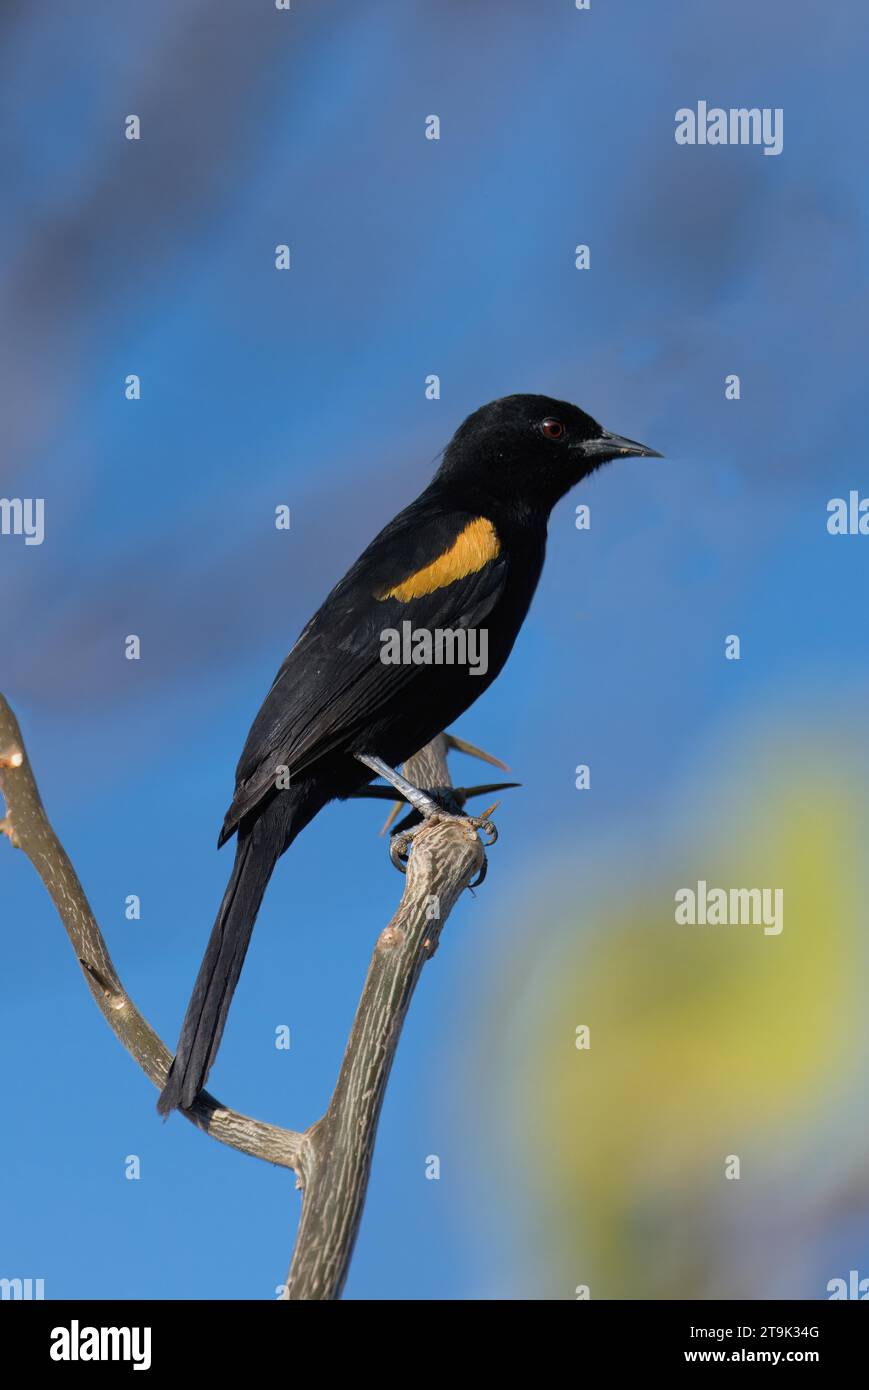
column 465, row 556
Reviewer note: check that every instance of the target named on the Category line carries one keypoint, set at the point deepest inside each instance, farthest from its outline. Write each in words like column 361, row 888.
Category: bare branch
column 333, row 1157
column 446, row 856
column 28, row 828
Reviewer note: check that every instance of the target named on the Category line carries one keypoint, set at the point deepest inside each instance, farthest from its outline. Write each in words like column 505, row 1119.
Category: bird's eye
column 552, row 429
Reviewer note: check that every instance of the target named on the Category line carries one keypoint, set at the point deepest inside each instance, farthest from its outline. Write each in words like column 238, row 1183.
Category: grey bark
column 333, row 1157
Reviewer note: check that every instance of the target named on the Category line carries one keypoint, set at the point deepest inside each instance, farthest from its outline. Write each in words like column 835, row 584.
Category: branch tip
column 461, row 745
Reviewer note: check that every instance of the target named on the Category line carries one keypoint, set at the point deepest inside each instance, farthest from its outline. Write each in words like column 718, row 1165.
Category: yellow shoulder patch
column 473, row 548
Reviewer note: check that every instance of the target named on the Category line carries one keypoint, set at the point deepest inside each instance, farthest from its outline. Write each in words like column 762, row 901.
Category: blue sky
column 307, row 388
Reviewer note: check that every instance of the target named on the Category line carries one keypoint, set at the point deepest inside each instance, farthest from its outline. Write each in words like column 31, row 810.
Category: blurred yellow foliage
column 705, row 1041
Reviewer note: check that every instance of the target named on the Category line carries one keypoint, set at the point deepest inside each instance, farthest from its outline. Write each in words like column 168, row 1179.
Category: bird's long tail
column 260, row 844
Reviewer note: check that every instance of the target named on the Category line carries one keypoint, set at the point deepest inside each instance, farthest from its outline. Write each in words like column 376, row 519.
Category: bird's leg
column 453, row 798
column 419, row 800
column 446, row 795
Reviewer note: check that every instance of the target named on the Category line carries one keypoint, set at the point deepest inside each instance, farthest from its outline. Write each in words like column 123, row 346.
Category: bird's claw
column 488, row 827
column 399, row 850
column 400, row 843
column 481, row 876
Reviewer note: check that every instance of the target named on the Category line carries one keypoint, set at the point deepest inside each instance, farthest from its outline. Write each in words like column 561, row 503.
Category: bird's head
column 530, row 450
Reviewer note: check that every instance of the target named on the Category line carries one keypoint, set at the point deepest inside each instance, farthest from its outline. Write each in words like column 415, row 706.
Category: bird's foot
column 400, row 843
column 425, row 810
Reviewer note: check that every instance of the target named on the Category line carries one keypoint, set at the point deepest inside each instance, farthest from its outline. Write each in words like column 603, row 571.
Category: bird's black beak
column 613, row 446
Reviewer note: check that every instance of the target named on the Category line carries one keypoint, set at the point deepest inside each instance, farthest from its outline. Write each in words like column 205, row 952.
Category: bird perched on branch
column 465, row 558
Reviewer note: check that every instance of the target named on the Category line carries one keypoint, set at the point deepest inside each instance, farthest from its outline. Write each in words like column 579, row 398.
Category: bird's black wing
column 333, row 683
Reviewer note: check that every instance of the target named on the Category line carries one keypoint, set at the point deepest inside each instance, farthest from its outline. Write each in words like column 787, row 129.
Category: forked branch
column 333, row 1157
